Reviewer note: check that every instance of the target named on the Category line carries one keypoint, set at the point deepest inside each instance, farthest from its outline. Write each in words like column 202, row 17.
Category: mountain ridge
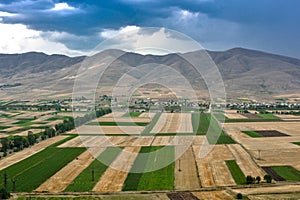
column 246, row 73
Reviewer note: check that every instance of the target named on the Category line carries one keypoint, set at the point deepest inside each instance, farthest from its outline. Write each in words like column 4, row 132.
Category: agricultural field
column 102, row 155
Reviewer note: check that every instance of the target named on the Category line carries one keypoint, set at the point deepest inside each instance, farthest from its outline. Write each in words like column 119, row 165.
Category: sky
column 74, row 27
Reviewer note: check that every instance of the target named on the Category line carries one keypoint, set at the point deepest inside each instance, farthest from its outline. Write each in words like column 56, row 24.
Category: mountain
column 246, row 73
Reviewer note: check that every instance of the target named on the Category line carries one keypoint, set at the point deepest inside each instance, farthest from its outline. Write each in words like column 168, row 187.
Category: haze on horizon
column 77, row 27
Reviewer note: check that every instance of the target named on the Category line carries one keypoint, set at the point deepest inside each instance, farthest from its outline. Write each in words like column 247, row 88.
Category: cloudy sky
column 75, row 27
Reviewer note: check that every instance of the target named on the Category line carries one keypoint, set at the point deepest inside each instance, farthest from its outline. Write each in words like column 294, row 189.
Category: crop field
column 202, row 123
column 39, row 167
column 140, row 142
column 20, row 122
column 161, row 179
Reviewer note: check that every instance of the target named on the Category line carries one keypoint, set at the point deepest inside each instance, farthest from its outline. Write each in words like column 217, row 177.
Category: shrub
column 4, row 194
column 239, row 196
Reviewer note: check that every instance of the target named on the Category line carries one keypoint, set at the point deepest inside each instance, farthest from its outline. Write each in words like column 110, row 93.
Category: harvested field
column 221, row 174
column 59, row 181
column 147, row 115
column 17, row 157
column 235, row 116
column 112, row 180
column 251, row 116
column 115, row 115
column 272, row 189
column 122, row 119
column 245, row 162
column 174, row 123
column 107, row 130
column 271, row 133
column 186, row 175
column 214, row 195
column 212, row 168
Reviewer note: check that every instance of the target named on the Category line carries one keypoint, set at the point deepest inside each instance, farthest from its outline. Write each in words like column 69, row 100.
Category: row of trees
column 252, row 180
column 17, row 143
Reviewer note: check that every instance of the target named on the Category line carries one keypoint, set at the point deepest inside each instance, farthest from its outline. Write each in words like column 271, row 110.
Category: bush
column 268, row 178
column 239, row 196
column 4, row 194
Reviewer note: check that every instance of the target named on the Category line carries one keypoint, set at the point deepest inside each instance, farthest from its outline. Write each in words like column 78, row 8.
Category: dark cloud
column 215, row 23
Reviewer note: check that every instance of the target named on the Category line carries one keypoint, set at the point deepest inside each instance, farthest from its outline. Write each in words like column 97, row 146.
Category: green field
column 132, row 114
column 33, row 171
column 57, row 118
column 236, row 172
column 252, row 134
column 269, row 116
column 201, row 128
column 161, row 179
column 297, row 143
column 56, row 144
column 150, row 126
column 83, row 182
column 4, row 127
column 117, row 123
column 287, row 172
column 253, row 120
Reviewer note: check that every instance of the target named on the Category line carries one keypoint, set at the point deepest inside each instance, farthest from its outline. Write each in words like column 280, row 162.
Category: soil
column 271, row 133
column 274, row 175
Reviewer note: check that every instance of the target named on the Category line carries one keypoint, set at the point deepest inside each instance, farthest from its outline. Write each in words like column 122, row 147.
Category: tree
column 268, row 178
column 5, row 144
column 249, row 179
column 239, row 196
column 31, row 138
column 258, row 179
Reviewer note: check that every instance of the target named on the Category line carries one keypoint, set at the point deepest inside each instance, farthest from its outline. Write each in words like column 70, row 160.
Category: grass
column 252, row 134
column 161, row 179
column 236, row 172
column 35, row 170
column 269, row 116
column 201, row 123
column 117, row 123
column 287, row 172
column 83, row 182
column 132, row 114
column 150, row 126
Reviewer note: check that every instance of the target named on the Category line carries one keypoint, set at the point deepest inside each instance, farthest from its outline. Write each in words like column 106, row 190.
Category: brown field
column 266, row 190
column 212, row 168
column 289, row 196
column 186, row 176
column 122, row 119
column 251, row 116
column 174, row 123
column 17, row 157
column 245, row 162
column 60, row 181
column 271, row 133
column 102, row 130
column 232, row 114
column 147, row 115
column 269, row 151
column 115, row 114
column 214, row 195
column 114, row 177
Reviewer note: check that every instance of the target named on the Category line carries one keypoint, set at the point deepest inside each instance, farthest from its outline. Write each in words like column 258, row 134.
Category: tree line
column 17, row 143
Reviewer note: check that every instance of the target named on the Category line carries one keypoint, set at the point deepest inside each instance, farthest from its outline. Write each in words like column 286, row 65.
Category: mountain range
column 246, row 73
